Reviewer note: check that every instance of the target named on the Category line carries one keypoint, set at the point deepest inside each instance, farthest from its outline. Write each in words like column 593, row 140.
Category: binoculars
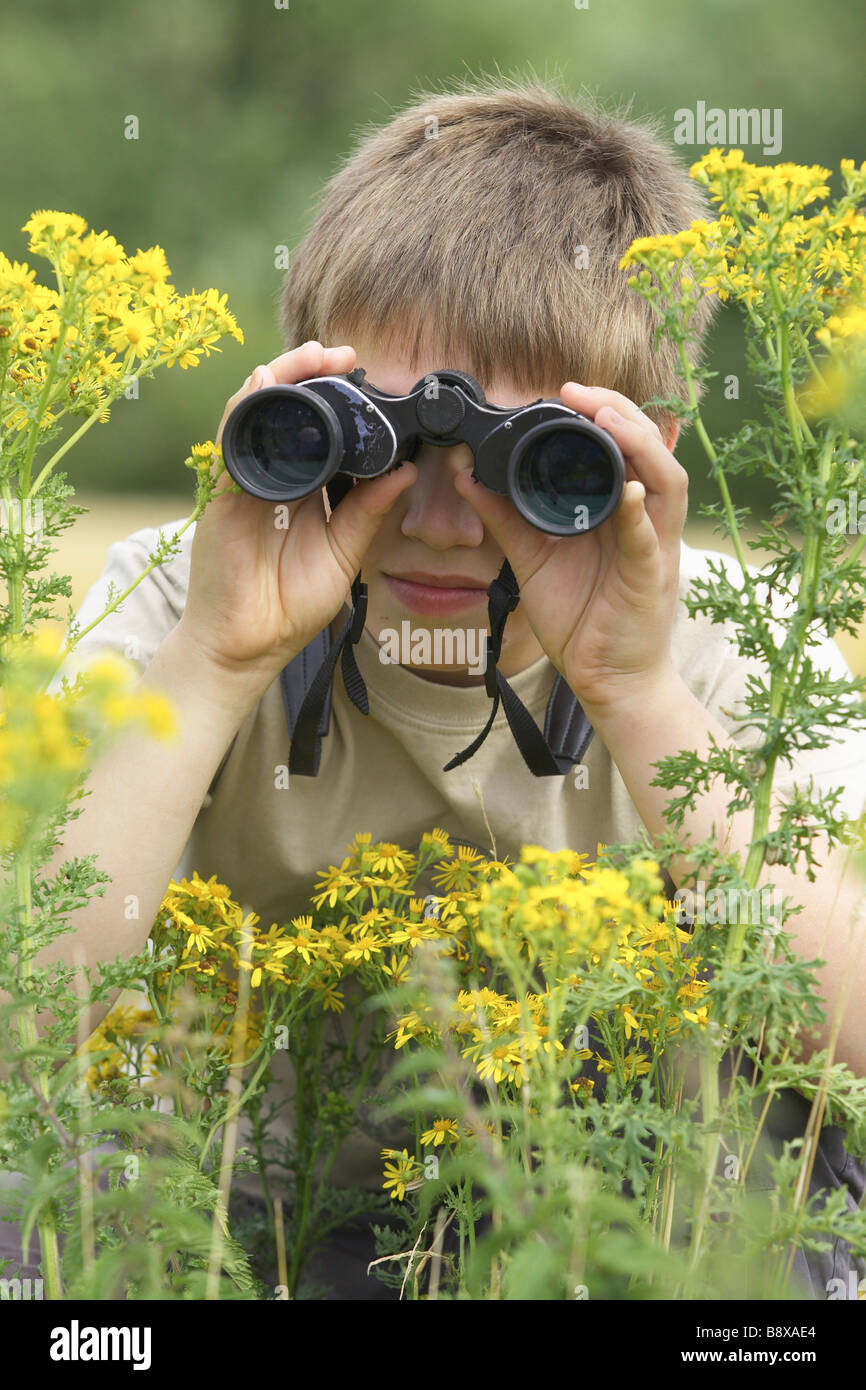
column 563, row 473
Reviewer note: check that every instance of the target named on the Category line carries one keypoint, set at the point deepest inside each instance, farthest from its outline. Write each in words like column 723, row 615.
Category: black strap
column 312, row 718
column 503, row 597
column 306, row 684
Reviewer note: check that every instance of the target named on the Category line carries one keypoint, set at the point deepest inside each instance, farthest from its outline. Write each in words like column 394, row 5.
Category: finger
column 355, row 521
column 590, row 399
column 525, row 546
column 666, row 482
column 260, row 376
column 636, row 536
column 234, row 400
column 311, row 359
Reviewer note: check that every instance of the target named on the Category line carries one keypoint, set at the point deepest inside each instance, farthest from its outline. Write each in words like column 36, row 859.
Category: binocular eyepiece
column 563, row 472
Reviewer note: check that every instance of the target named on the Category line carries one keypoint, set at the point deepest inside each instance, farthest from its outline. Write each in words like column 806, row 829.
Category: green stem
column 28, row 1033
column 46, row 390
column 235, row 1105
column 154, row 564
column 64, row 448
column 709, row 1071
column 709, row 450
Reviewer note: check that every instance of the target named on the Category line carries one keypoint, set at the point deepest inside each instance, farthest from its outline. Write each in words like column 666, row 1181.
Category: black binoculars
column 563, row 473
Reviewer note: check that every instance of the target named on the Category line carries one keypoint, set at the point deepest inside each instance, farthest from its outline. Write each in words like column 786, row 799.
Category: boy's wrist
column 232, row 687
column 626, row 700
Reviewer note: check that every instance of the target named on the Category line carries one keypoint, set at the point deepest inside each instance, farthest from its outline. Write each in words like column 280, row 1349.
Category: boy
column 448, row 240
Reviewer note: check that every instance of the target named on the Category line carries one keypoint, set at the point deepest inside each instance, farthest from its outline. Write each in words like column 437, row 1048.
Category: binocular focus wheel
column 461, row 379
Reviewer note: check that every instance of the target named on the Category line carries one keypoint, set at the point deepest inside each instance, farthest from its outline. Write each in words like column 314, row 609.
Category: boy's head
column 482, row 230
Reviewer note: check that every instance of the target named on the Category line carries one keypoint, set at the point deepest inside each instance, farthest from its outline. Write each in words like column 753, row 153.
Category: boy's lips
column 423, row 592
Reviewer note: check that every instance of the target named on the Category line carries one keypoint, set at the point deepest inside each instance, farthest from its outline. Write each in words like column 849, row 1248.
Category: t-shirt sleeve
column 140, row 624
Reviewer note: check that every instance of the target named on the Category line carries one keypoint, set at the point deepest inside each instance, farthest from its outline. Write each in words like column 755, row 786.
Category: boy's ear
column 672, row 435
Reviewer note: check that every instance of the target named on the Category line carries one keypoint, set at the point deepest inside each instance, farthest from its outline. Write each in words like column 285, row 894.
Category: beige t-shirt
column 382, row 772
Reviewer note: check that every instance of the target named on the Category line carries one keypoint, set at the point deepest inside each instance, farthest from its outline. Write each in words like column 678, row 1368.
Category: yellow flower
column 399, row 1174
column 699, row 1016
column 365, row 947
column 396, row 969
column 635, row 1064
column 198, row 936
column 333, row 1000
column 414, row 932
column 107, row 365
column 390, row 859
column 302, row 945
column 202, row 455
column 631, row 1023
column 438, row 840
column 101, row 249
column 48, row 229
column 503, row 1062
column 334, row 882
column 215, row 304
column 408, row 1027
column 440, row 1131
column 136, row 331
column 151, row 264
column 15, row 275
column 459, row 870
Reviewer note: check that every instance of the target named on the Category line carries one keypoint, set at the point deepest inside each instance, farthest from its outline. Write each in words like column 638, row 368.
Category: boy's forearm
column 144, row 796
column 660, row 720
column 667, row 718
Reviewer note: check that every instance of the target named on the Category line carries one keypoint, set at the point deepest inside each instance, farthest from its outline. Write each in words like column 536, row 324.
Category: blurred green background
column 245, row 108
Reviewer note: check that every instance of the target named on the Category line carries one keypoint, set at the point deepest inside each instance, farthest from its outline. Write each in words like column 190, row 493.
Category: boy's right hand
column 258, row 593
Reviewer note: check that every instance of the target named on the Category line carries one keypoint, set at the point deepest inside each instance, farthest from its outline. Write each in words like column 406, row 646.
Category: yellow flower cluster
column 124, row 1043
column 113, row 316
column 507, row 1034
column 763, row 249
column 44, row 739
column 552, row 914
column 784, row 186
column 565, row 917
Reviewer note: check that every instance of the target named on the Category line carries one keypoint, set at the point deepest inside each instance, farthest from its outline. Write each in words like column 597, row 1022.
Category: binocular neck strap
column 503, row 597
column 306, row 749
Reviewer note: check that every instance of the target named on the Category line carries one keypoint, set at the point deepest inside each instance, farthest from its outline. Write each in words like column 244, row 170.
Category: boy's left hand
column 602, row 604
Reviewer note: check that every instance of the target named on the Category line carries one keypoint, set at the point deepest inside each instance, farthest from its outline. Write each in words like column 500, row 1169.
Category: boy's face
column 432, row 533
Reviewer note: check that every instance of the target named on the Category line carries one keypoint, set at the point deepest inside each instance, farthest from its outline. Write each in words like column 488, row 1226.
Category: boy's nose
column 435, row 513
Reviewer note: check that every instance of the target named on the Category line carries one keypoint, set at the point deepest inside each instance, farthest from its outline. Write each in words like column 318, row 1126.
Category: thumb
column 635, row 534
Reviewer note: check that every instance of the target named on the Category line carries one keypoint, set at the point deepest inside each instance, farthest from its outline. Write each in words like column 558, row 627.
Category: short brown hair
column 457, row 226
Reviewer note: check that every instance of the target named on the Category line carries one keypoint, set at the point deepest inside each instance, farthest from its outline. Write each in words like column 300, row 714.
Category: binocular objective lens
column 565, row 478
column 286, row 440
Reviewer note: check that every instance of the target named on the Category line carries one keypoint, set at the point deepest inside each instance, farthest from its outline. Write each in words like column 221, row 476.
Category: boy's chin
column 451, row 652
